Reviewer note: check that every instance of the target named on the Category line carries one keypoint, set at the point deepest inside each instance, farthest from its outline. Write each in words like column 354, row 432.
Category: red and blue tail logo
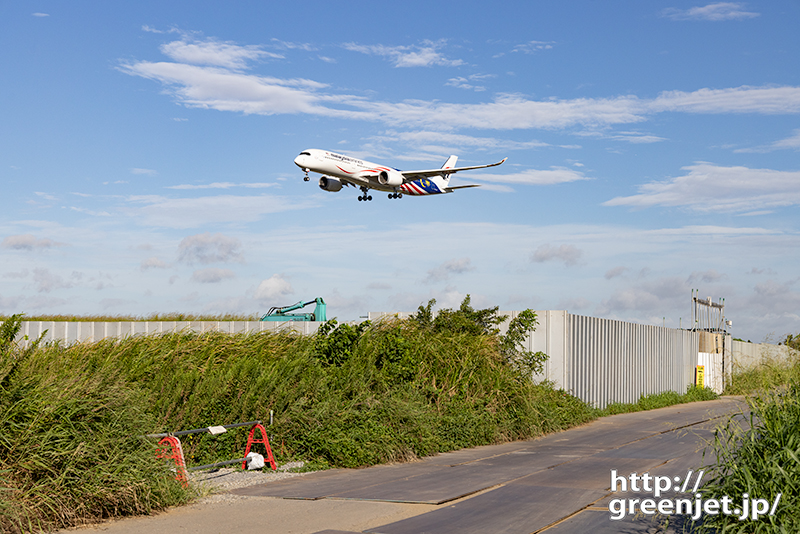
column 423, row 186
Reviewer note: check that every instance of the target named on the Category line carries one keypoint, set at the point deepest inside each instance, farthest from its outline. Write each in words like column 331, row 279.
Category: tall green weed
column 760, row 458
column 71, row 448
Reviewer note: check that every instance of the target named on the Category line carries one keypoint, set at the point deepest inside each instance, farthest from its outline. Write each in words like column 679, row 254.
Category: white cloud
column 707, row 187
column 149, row 172
column 207, row 248
column 467, row 83
column 47, row 281
column 653, row 297
column 713, row 12
column 531, row 47
column 709, row 277
column 215, row 53
column 615, row 272
column 438, row 145
column 637, row 137
column 463, row 83
column 274, row 288
column 45, row 196
column 568, row 254
column 28, row 242
column 422, row 55
column 744, row 99
column 154, row 210
column 556, row 175
column 223, row 185
column 40, row 14
column 449, row 268
column 212, row 275
column 287, row 45
column 22, row 274
column 93, row 213
column 776, row 297
column 216, row 88
column 791, row 143
column 230, row 89
column 153, row 263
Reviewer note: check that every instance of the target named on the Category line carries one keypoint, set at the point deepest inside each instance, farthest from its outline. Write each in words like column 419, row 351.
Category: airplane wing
column 453, row 188
column 414, row 175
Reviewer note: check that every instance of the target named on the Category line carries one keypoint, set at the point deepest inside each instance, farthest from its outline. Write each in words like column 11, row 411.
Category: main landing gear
column 365, row 197
column 395, row 195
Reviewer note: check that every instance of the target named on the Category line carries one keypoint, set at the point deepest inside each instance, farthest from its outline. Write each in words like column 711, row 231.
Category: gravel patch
column 218, row 482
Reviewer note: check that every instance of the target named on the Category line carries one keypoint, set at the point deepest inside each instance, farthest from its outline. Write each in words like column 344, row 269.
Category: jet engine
column 392, row 179
column 327, row 183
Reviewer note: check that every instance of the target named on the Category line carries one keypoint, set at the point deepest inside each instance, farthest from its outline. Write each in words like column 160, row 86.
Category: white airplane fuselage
column 338, row 170
column 364, row 173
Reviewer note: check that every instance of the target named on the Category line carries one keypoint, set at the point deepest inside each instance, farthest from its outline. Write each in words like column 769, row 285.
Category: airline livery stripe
column 417, row 189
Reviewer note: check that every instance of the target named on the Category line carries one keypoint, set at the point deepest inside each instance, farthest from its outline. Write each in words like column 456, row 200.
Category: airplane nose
column 299, row 161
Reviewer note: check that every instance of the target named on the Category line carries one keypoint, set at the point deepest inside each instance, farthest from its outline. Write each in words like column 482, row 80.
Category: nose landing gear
column 306, row 178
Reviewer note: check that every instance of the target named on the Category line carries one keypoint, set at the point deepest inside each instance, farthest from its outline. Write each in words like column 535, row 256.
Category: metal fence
column 598, row 360
column 87, row 332
column 745, row 355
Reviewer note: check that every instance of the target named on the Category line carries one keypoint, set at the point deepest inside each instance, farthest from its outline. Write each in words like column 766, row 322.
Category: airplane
column 339, row 170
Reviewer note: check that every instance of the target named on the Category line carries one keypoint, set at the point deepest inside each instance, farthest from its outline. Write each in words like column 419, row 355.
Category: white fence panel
column 68, row 333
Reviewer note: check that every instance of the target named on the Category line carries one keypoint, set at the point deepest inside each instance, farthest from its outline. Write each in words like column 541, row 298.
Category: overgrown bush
column 71, row 448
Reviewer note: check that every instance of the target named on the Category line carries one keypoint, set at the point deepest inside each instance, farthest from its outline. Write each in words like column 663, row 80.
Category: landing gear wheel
column 369, row 197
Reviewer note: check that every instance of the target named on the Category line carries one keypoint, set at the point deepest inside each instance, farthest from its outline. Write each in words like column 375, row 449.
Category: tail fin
column 450, row 163
column 443, row 179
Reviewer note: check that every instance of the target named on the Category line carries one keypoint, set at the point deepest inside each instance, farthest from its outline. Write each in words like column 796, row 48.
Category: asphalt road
column 560, row 483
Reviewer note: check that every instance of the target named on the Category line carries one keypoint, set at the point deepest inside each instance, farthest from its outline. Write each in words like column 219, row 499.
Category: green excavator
column 280, row 313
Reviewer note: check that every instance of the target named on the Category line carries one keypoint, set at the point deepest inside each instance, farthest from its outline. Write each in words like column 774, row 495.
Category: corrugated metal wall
column 614, row 361
column 603, row 361
column 746, row 355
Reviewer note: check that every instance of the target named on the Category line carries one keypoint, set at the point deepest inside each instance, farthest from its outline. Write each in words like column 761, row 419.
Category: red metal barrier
column 251, row 440
column 176, row 455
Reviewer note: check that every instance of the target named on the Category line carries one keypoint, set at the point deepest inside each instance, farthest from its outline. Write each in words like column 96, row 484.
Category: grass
column 71, row 417
column 770, row 373
column 760, row 459
column 660, row 400
column 70, row 446
column 759, row 454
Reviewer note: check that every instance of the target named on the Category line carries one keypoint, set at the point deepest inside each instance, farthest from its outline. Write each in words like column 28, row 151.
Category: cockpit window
column 305, row 153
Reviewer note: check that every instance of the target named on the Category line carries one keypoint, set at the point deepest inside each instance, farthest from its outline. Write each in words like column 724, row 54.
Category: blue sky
column 147, row 157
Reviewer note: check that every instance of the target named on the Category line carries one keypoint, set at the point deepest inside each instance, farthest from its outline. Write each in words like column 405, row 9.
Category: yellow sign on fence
column 700, row 376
